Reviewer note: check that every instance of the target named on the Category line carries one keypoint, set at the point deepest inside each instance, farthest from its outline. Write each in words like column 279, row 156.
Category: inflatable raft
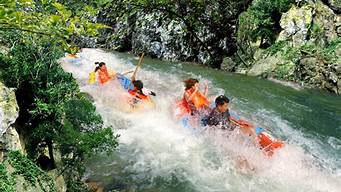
column 267, row 143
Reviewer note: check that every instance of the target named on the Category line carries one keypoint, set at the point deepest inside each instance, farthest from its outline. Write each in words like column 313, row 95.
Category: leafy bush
column 7, row 183
column 53, row 113
column 261, row 21
column 31, row 172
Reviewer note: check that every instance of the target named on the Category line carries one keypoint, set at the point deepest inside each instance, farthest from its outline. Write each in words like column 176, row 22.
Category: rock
column 338, row 69
column 295, row 24
column 9, row 109
column 335, row 5
column 308, row 63
column 12, row 140
column 94, row 186
column 338, row 25
column 265, row 65
column 325, row 20
column 59, row 180
column 228, row 64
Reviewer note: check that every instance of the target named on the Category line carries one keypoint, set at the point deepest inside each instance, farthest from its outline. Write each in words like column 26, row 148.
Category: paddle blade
column 92, row 78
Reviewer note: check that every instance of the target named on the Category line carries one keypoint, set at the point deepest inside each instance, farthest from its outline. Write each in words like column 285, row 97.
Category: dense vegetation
column 260, row 23
column 54, row 116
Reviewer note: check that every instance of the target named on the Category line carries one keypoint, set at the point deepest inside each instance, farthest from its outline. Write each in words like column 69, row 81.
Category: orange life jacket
column 103, row 75
column 182, row 108
column 199, row 100
column 138, row 95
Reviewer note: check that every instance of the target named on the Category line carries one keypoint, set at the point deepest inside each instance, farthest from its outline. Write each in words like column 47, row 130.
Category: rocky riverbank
column 298, row 41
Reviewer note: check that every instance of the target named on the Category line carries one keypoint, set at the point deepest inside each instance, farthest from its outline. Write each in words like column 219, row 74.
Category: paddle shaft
column 137, row 67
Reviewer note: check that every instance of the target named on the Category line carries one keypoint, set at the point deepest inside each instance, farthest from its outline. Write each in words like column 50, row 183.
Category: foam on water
column 154, row 146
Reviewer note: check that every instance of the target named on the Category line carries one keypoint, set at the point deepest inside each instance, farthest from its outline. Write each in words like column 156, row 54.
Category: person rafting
column 195, row 101
column 220, row 115
column 102, row 73
column 138, row 92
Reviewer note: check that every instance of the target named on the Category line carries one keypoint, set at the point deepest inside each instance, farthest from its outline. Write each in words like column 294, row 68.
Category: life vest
column 72, row 55
column 137, row 95
column 182, row 108
column 103, row 75
column 198, row 99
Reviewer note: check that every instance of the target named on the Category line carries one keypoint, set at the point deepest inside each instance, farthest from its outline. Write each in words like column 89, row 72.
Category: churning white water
column 158, row 154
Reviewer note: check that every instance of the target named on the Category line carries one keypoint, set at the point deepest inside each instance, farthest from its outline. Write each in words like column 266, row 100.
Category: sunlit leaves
column 48, row 18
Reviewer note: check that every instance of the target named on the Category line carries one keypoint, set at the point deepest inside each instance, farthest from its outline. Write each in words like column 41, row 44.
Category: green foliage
column 292, row 54
column 83, row 134
column 278, row 46
column 53, row 113
column 47, row 18
column 261, row 22
column 7, row 183
column 329, row 52
column 33, row 174
column 316, row 31
column 52, row 110
column 285, row 71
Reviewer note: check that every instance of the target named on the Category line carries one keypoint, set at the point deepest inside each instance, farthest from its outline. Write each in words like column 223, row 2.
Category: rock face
column 204, row 34
column 9, row 111
column 307, row 50
column 10, row 141
column 267, row 64
column 295, row 24
column 335, row 5
column 8, row 108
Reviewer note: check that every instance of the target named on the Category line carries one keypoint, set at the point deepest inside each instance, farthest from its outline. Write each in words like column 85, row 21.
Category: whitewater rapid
column 158, row 153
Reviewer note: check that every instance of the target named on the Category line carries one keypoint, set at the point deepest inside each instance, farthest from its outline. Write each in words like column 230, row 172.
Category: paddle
column 137, row 67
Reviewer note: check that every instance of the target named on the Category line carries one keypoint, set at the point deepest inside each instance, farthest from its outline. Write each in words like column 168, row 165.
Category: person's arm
column 127, row 72
column 190, row 97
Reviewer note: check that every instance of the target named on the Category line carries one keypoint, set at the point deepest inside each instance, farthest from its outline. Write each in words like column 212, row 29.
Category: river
column 157, row 154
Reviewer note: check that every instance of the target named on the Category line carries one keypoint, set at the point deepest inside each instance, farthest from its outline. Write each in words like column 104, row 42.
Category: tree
column 53, row 112
column 48, row 18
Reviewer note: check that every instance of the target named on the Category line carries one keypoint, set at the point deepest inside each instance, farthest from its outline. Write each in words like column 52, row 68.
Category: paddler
column 195, row 101
column 220, row 117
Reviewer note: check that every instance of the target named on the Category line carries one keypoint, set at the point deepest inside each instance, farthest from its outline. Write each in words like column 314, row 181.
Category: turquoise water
column 157, row 154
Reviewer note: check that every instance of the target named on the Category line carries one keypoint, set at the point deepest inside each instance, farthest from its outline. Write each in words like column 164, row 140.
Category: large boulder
column 228, row 64
column 8, row 108
column 295, row 24
column 9, row 111
column 265, row 65
column 324, row 24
